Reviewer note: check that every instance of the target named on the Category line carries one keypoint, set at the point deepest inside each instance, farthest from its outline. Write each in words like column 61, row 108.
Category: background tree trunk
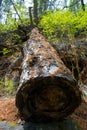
column 35, row 11
column 83, row 5
column 30, row 15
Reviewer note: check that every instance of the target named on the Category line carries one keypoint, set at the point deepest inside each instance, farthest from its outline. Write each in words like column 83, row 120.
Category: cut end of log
column 48, row 99
column 47, row 90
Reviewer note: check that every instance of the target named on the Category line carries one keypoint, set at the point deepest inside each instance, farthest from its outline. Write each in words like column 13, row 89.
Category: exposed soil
column 8, row 110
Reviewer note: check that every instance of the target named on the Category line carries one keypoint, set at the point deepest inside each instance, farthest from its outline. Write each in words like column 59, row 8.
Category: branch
column 16, row 11
column 71, row 5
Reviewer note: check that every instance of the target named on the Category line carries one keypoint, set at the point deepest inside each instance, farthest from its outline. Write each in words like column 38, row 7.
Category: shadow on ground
column 63, row 125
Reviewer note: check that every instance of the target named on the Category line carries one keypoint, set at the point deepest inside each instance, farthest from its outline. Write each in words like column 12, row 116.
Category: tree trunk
column 30, row 15
column 83, row 5
column 35, row 12
column 0, row 2
column 16, row 11
column 45, row 5
column 47, row 90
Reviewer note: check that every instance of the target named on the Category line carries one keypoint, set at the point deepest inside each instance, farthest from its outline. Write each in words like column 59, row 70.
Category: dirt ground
column 8, row 110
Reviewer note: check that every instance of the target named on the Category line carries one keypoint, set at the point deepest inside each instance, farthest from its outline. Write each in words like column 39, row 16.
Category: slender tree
column 0, row 10
column 40, row 5
column 16, row 10
column 0, row 2
column 65, row 3
column 74, row 5
column 45, row 5
column 35, row 11
column 30, row 15
column 83, row 5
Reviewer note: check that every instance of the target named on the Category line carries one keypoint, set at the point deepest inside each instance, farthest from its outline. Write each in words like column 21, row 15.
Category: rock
column 7, row 126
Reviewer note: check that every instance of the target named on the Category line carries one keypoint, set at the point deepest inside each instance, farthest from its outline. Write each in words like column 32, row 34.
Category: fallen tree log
column 47, row 90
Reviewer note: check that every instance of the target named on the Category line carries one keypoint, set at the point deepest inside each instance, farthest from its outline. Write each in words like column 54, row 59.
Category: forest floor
column 8, row 110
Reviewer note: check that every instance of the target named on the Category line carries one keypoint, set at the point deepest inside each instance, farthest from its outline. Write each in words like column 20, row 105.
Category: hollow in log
column 47, row 91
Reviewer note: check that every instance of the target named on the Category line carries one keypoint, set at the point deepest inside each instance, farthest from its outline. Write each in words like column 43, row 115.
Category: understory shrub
column 63, row 24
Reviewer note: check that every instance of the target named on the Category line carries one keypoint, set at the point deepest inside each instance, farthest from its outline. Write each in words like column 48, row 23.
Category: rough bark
column 47, row 90
column 35, row 11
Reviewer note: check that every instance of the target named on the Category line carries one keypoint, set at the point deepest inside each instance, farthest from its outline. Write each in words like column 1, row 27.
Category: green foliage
column 9, row 26
column 13, row 20
column 14, row 38
column 1, row 83
column 13, row 25
column 7, row 86
column 6, row 51
column 63, row 23
column 13, row 124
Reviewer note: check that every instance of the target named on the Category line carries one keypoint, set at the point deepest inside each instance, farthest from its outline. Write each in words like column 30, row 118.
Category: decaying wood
column 47, row 90
column 74, row 57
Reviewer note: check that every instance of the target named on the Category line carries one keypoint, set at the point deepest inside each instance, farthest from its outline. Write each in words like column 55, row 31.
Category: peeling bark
column 47, row 90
